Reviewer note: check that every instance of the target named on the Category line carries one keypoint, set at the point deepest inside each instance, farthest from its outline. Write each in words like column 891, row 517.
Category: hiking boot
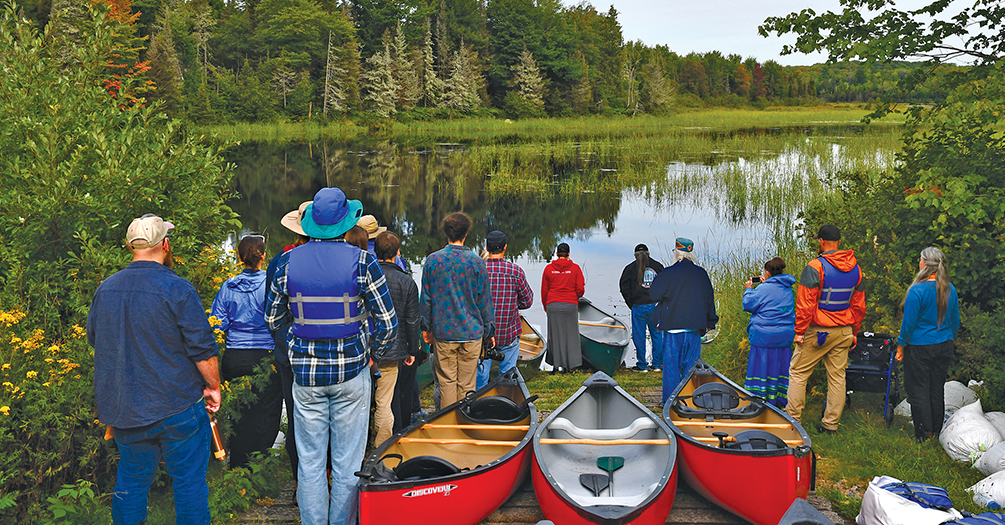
column 638, row 368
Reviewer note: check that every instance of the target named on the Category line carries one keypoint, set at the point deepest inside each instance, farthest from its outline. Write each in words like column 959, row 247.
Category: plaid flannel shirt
column 510, row 293
column 328, row 361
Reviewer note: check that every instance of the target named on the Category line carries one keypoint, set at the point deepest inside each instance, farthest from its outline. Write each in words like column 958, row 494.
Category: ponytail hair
column 642, row 260
column 935, row 263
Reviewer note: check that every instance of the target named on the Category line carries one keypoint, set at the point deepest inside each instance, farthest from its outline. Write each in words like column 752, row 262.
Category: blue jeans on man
column 183, row 441
column 642, row 319
column 511, row 351
column 335, row 416
column 680, row 352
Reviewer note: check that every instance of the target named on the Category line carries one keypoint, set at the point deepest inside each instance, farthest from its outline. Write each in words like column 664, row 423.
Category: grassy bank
column 488, row 130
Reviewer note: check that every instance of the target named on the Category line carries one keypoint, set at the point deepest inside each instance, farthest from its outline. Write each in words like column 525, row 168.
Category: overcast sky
column 729, row 26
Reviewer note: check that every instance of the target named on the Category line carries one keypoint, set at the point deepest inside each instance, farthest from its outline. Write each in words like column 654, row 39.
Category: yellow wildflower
column 54, row 348
column 32, row 374
column 6, row 366
column 5, row 409
column 8, row 384
column 15, row 340
column 63, row 361
column 79, row 331
column 48, row 360
column 46, row 383
column 11, row 318
column 213, row 321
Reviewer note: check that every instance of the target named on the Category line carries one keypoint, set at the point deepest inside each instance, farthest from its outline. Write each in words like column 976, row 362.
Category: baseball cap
column 147, row 231
column 495, row 241
column 829, row 232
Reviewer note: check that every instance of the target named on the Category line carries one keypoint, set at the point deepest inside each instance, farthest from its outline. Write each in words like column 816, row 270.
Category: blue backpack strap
column 928, row 496
column 987, row 518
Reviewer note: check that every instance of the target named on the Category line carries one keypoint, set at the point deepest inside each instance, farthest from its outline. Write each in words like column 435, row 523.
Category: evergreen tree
column 284, row 82
column 378, row 83
column 165, row 68
column 461, row 90
column 657, row 90
column 203, row 22
column 582, row 91
column 432, row 86
column 527, row 79
column 334, row 96
column 409, row 90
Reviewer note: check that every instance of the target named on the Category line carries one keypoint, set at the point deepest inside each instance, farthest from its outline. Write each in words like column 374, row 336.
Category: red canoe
column 602, row 420
column 737, row 451
column 458, row 465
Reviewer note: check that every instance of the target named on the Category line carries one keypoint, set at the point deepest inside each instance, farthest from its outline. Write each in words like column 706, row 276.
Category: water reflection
column 741, row 194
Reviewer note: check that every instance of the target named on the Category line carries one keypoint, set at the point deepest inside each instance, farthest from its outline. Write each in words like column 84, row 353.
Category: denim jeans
column 680, row 351
column 512, row 352
column 643, row 318
column 335, row 416
column 183, row 441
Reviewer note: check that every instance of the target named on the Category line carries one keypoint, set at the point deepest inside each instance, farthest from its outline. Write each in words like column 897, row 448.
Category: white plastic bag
column 958, row 395
column 968, row 434
column 903, row 409
column 882, row 507
column 997, row 420
column 990, row 491
column 992, row 461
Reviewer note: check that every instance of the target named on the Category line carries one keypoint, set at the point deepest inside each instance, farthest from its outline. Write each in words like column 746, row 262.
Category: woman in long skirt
column 770, row 331
column 561, row 287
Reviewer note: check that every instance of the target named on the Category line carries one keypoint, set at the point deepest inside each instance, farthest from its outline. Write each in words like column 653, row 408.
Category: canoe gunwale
column 606, row 513
column 368, row 485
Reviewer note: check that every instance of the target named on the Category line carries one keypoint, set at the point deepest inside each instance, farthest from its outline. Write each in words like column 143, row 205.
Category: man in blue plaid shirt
column 328, row 289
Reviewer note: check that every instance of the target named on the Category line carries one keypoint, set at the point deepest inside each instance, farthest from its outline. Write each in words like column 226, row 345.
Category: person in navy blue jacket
column 239, row 306
column 926, row 341
column 685, row 310
column 771, row 330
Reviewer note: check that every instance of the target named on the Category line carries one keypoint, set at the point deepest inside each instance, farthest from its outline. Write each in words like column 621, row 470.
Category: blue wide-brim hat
column 331, row 214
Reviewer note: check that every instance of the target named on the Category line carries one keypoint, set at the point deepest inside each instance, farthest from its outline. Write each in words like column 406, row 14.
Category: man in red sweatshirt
column 830, row 305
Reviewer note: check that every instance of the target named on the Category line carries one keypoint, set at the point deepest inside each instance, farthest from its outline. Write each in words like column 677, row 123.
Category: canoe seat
column 756, row 440
column 424, row 467
column 717, row 400
column 494, row 410
column 640, row 424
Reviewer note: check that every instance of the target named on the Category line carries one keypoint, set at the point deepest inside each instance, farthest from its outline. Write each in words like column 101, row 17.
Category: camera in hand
column 756, row 279
column 492, row 353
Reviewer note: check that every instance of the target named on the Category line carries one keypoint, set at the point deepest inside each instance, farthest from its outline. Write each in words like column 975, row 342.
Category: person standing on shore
column 326, row 289
column 926, row 341
column 510, row 293
column 770, row 332
column 562, row 284
column 830, row 306
column 405, row 297
column 239, row 306
column 635, row 281
column 457, row 314
column 155, row 376
column 685, row 310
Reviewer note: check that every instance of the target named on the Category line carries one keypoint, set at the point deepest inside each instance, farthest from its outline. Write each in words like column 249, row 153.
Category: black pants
column 925, row 370
column 286, row 378
column 258, row 426
column 401, row 405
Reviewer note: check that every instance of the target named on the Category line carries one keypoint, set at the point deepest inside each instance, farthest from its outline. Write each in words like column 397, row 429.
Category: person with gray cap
column 685, row 310
column 830, row 306
column 327, row 289
column 510, row 293
column 635, row 281
column 155, row 376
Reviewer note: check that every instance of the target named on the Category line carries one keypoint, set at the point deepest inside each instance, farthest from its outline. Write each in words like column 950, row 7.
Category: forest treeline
column 217, row 61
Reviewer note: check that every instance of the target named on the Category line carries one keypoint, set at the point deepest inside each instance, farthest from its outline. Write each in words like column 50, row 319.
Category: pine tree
column 432, row 86
column 378, row 83
column 202, row 26
column 582, row 91
column 527, row 79
column 165, row 68
column 461, row 91
column 657, row 90
column 349, row 60
column 409, row 90
column 334, row 96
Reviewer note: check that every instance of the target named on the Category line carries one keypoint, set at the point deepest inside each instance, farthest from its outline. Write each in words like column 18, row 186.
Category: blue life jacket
column 837, row 287
column 324, row 290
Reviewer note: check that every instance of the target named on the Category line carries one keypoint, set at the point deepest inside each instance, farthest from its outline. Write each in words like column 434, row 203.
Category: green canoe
column 602, row 337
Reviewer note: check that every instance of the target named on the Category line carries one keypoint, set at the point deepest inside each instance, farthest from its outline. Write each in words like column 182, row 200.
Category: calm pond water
column 732, row 203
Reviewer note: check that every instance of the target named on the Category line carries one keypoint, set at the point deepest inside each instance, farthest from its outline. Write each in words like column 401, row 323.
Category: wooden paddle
column 585, row 323
column 595, row 482
column 610, row 464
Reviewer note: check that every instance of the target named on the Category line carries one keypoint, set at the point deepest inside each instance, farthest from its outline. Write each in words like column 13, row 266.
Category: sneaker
column 657, row 369
column 637, row 368
column 822, row 430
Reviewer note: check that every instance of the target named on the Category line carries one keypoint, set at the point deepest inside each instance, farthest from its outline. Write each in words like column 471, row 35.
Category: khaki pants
column 456, row 368
column 383, row 419
column 834, row 353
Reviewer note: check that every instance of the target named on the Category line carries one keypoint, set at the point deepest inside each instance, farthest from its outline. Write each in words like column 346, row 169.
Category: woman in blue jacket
column 239, row 306
column 925, row 344
column 771, row 330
